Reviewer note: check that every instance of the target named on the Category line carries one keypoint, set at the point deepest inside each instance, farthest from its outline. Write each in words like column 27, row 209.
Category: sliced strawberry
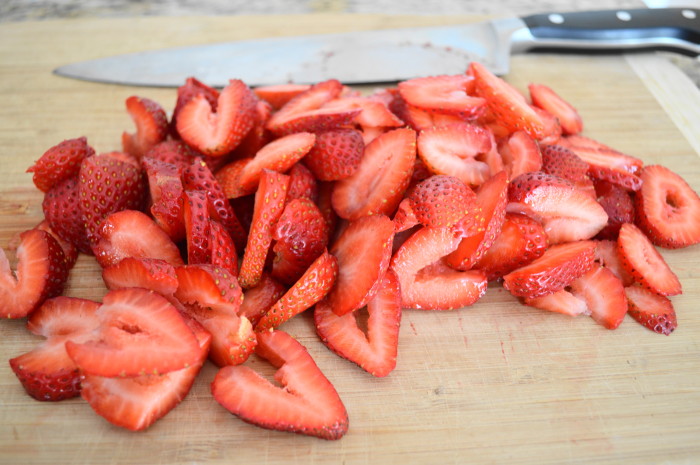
column 375, row 351
column 325, row 204
column 305, row 293
column 381, row 179
column 212, row 296
column 607, row 255
column 64, row 215
column 363, row 251
column 668, row 209
column 197, row 227
column 651, row 310
column 457, row 150
column 151, row 126
column 336, row 155
column 604, row 295
column 279, row 155
column 561, row 301
column 445, row 94
column 218, row 132
column 441, row 201
column 136, row 403
column 167, row 196
column 139, row 332
column 567, row 213
column 306, row 403
column 374, row 113
column 509, row 106
column 553, row 271
column 521, row 241
column 609, row 165
column 46, row 372
column 269, row 205
column 618, row 205
column 309, row 100
column 302, row 183
column 520, row 154
column 258, row 300
column 279, row 94
column 148, row 273
column 60, row 162
column 229, row 177
column 426, row 282
column 41, row 274
column 319, row 120
column 69, row 250
column 172, row 151
column 646, row 265
column 257, row 137
column 480, row 230
column 222, row 248
column 188, row 91
column 545, row 98
column 301, row 236
column 404, row 218
column 564, row 163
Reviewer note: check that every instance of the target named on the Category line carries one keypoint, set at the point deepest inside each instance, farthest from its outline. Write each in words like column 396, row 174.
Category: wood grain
column 494, row 383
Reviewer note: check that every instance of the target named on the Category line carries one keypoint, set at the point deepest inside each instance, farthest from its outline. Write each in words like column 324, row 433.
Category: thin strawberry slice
column 148, row 273
column 139, row 332
column 520, row 154
column 610, row 165
column 553, row 271
column 618, row 205
column 46, row 372
column 552, row 128
column 363, row 251
column 278, row 95
column 426, row 282
column 545, row 98
column 336, row 155
column 457, row 150
column 60, row 162
column 445, row 94
column 197, row 227
column 172, row 151
column 509, row 106
column 41, row 274
column 279, row 155
column 374, row 113
column 311, row 99
column 604, row 295
column 269, row 205
column 136, row 403
column 380, row 181
column 218, row 132
column 607, row 255
column 562, row 301
column 212, row 296
column 375, row 351
column 651, row 310
column 167, row 200
column 305, row 403
column 441, row 201
column 258, row 135
column 404, row 218
column 319, row 120
column 189, row 90
column 521, row 241
column 325, row 204
column 258, row 300
column 668, row 209
column 69, row 250
column 646, row 265
column 151, row 126
column 302, row 183
column 229, row 178
column 222, row 248
column 564, row 163
column 480, row 230
column 313, row 286
column 64, row 215
column 130, row 233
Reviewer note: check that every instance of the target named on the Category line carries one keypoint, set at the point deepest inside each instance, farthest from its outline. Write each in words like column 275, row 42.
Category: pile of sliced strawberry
column 247, row 207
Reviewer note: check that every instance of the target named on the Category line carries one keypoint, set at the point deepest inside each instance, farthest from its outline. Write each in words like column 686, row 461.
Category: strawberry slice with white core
column 374, row 113
column 140, row 332
column 604, row 295
column 305, row 403
column 446, row 94
column 375, row 351
column 545, row 98
column 148, row 273
column 151, row 126
column 651, row 310
column 520, row 154
column 561, row 301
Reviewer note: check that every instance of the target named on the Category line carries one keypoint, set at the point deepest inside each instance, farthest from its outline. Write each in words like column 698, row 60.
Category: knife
column 396, row 54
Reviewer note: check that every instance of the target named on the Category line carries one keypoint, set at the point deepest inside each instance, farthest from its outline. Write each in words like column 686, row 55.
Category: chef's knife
column 397, row 54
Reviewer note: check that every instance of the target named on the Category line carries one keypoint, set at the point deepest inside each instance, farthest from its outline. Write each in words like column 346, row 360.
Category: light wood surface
column 494, row 383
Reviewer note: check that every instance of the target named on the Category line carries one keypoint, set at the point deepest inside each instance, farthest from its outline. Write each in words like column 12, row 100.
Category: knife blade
column 396, row 54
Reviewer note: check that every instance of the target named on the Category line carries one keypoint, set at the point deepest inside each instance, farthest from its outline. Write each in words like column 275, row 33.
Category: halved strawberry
column 269, row 205
column 457, row 150
column 363, row 251
column 545, row 98
column 564, row 163
column 130, row 233
column 668, row 209
column 305, row 293
column 374, row 113
column 509, row 106
column 445, row 94
column 336, row 155
column 375, row 351
column 139, row 332
column 607, row 164
column 520, row 154
column 561, row 301
column 60, row 162
column 258, row 300
column 136, row 403
column 212, row 296
column 217, row 132
column 189, row 90
column 426, row 282
column 651, row 310
column 646, row 265
column 151, row 126
column 604, row 295
column 41, row 274
column 279, row 94
column 148, row 273
column 229, row 177
column 222, row 248
column 197, row 227
column 305, row 403
column 441, row 201
column 46, row 372
column 553, row 271
column 172, row 151
column 380, row 181
column 64, row 215
column 618, row 205
column 302, row 183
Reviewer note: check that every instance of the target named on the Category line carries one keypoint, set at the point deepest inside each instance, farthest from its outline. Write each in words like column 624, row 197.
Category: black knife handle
column 675, row 29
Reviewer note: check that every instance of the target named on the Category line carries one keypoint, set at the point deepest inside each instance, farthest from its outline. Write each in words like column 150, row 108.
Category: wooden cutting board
column 494, row 383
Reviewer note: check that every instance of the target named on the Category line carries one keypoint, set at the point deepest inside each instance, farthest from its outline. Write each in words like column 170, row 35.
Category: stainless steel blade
column 353, row 58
